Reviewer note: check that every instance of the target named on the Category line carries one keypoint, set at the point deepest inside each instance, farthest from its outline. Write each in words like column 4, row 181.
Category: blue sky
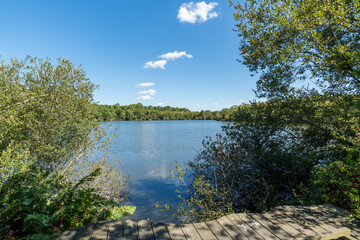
column 186, row 51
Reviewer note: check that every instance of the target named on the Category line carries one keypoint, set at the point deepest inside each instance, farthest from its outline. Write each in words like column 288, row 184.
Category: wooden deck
column 286, row 222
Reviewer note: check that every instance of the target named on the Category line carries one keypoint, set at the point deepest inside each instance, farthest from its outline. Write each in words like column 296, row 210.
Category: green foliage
column 121, row 211
column 13, row 159
column 339, row 184
column 50, row 180
column 255, row 165
column 313, row 120
column 45, row 107
column 35, row 202
column 138, row 112
column 299, row 150
column 200, row 201
column 292, row 41
column 307, row 55
column 338, row 181
column 302, row 144
column 324, row 128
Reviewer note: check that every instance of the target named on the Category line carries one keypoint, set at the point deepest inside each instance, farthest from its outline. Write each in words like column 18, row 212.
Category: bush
column 200, row 201
column 338, row 181
column 37, row 204
column 255, row 165
column 249, row 169
column 302, row 150
column 55, row 172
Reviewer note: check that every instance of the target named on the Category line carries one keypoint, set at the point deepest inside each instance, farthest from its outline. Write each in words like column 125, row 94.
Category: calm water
column 148, row 149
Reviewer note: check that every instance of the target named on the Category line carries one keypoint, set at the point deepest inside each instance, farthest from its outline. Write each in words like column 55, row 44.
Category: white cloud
column 197, row 12
column 156, row 64
column 150, row 92
column 165, row 57
column 175, row 55
column 160, row 104
column 216, row 104
column 146, row 84
column 145, row 97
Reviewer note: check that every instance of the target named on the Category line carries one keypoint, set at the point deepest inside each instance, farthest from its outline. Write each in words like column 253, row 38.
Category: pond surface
column 148, row 149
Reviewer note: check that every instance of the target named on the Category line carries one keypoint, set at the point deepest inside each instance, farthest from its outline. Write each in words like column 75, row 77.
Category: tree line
column 139, row 112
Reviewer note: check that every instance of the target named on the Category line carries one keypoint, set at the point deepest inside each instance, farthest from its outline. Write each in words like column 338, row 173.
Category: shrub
column 36, row 203
column 338, row 181
column 55, row 172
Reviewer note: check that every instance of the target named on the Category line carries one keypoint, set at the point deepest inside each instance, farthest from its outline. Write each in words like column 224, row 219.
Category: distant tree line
column 139, row 112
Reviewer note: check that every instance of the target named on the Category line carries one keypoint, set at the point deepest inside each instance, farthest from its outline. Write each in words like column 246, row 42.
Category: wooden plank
column 84, row 233
column 319, row 213
column 283, row 225
column 68, row 235
column 246, row 229
column 293, row 223
column 204, row 231
column 160, row 231
column 331, row 216
column 300, row 222
column 130, row 230
column 308, row 216
column 219, row 232
column 116, row 230
column 234, row 232
column 175, row 231
column 315, row 223
column 306, row 220
column 145, row 230
column 100, row 231
column 277, row 231
column 335, row 212
column 329, row 227
column 325, row 209
column 341, row 232
column 350, row 238
column 263, row 232
column 190, row 232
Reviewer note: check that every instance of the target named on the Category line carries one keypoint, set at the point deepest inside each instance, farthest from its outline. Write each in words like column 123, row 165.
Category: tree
column 302, row 144
column 309, row 41
column 46, row 108
column 50, row 180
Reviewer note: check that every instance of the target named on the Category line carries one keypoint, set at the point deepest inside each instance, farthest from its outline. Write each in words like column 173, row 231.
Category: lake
column 148, row 149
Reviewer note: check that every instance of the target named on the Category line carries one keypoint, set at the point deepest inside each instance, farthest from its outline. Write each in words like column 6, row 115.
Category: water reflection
column 148, row 138
column 148, row 150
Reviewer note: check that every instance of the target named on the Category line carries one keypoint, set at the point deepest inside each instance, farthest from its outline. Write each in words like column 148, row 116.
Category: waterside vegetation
column 302, row 145
column 50, row 180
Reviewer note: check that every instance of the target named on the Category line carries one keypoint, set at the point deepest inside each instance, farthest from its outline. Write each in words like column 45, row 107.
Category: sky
column 163, row 52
